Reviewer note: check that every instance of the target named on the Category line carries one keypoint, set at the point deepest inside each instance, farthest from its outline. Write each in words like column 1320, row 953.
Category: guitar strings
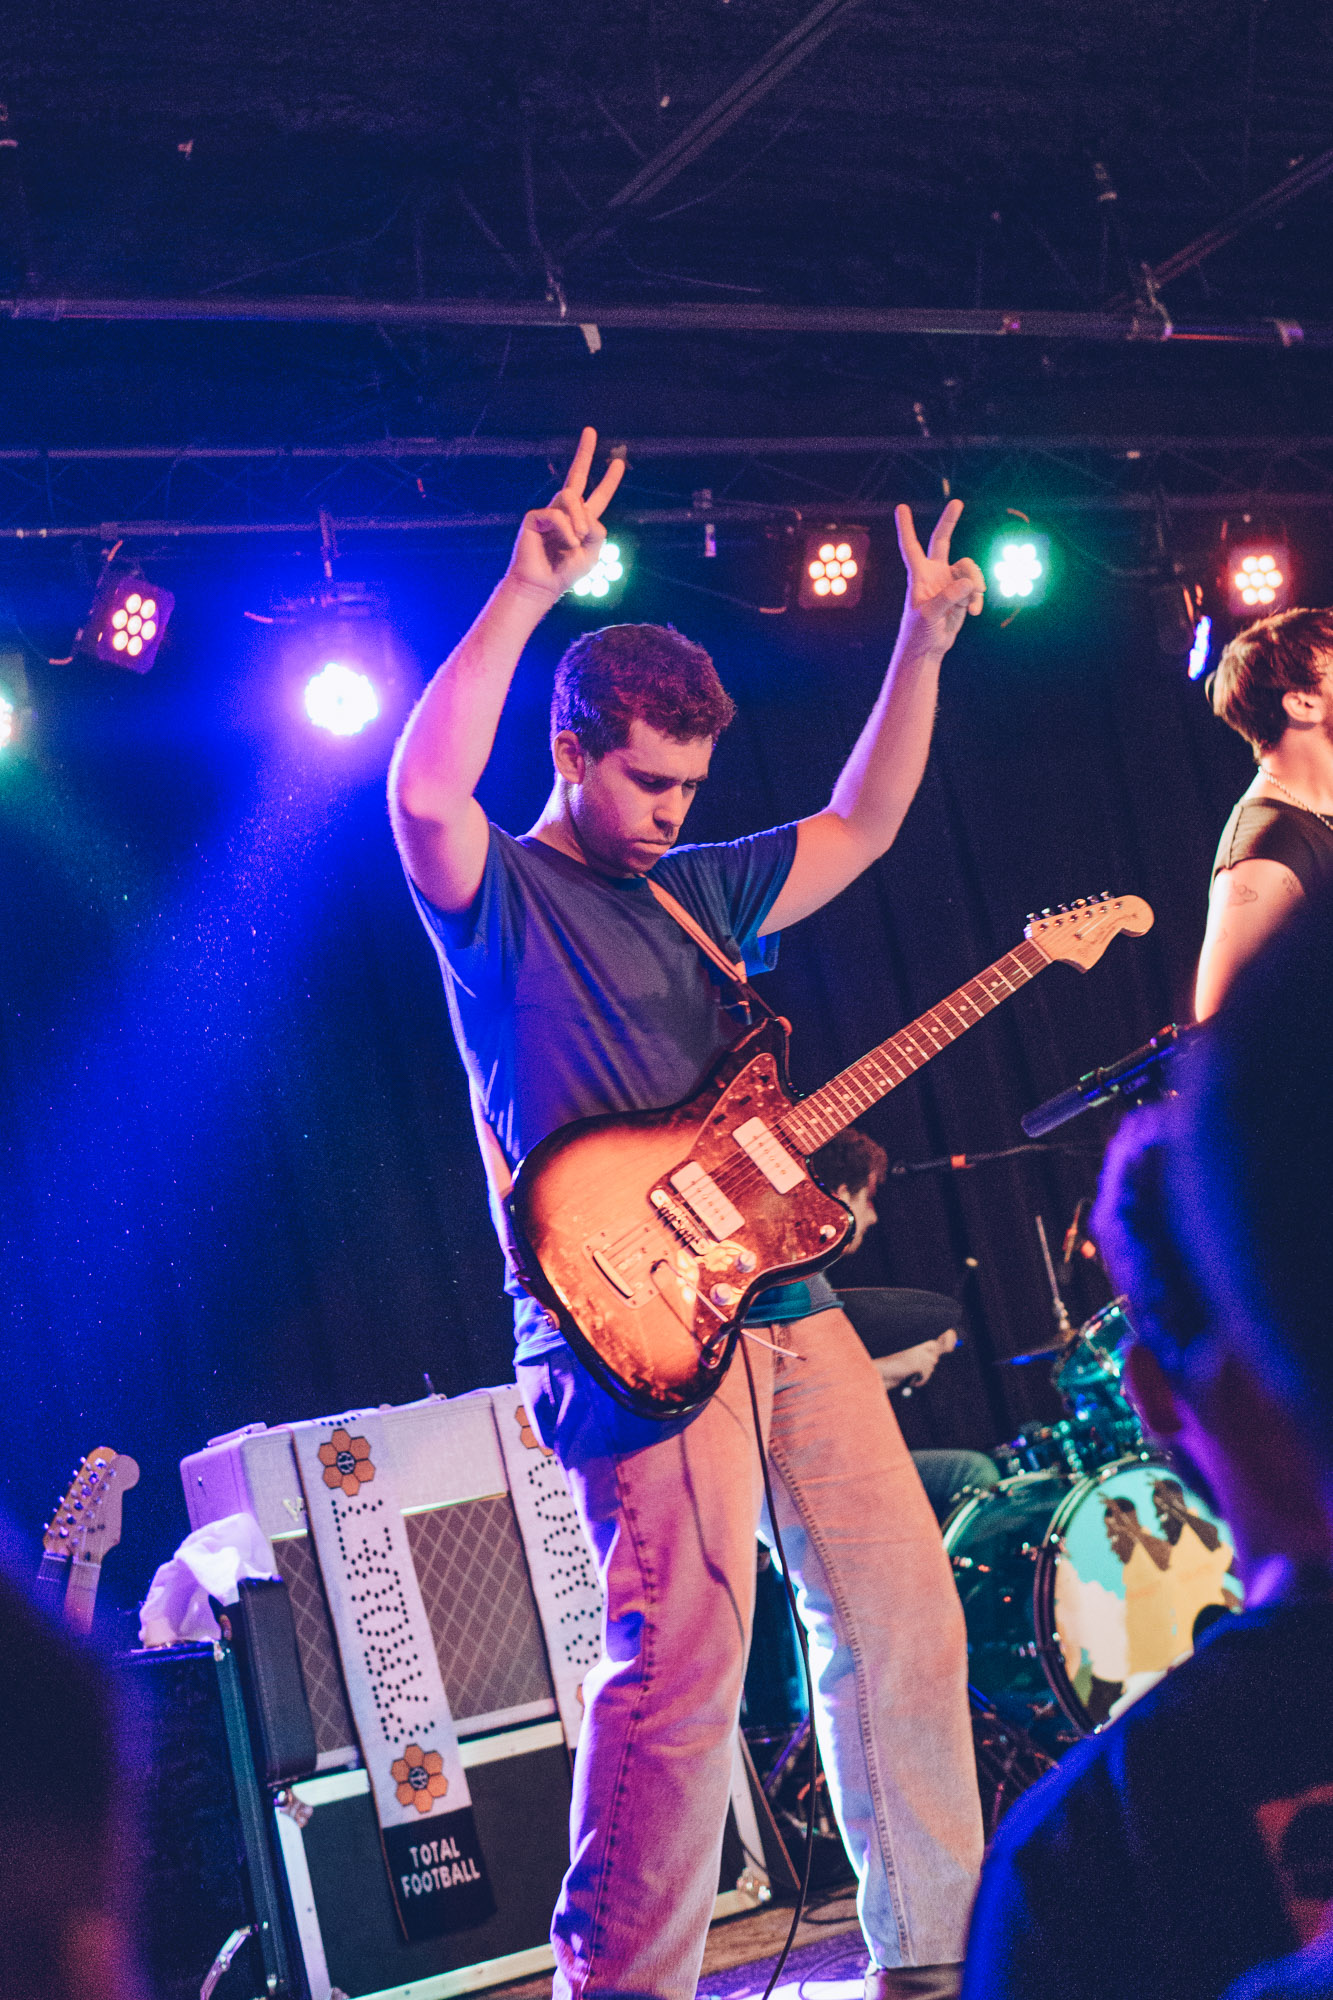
column 742, row 1176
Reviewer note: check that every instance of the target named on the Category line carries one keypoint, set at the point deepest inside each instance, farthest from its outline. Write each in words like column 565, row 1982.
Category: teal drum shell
column 1087, row 1380
column 1080, row 1593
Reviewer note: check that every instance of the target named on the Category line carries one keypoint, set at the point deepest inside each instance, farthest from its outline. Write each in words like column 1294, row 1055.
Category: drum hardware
column 1008, row 1761
column 1062, row 1321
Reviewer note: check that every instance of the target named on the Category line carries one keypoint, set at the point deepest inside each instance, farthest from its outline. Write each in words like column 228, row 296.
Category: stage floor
column 827, row 1962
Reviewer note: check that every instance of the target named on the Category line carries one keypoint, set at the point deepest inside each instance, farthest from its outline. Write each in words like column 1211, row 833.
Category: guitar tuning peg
column 1046, row 913
column 1031, row 917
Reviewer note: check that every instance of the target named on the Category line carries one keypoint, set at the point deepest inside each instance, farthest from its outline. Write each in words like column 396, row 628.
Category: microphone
column 1133, row 1077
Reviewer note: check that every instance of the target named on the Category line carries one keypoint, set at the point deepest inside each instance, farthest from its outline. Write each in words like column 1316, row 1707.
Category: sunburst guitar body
column 647, row 1235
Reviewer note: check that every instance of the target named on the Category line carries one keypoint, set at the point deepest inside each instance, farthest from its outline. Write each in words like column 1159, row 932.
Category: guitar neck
column 81, row 1595
column 830, row 1110
column 52, row 1576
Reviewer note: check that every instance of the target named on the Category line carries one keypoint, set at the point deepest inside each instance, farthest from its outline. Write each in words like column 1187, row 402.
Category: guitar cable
column 781, row 1554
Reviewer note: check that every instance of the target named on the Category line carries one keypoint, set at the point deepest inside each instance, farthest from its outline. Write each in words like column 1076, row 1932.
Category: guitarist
column 571, row 992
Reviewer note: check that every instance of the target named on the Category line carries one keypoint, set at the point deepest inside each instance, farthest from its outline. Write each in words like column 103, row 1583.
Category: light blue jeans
column 672, row 1511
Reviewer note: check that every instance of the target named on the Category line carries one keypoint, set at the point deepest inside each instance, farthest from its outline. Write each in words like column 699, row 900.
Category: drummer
column 907, row 1333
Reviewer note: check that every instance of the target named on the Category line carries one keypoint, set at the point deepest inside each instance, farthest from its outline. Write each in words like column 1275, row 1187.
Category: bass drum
column 1080, row 1593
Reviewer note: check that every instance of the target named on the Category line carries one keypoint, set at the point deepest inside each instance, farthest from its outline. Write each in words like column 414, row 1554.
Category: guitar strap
column 499, row 1176
column 733, row 968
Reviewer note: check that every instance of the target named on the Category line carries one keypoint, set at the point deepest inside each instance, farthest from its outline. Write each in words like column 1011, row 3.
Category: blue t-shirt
column 573, row 993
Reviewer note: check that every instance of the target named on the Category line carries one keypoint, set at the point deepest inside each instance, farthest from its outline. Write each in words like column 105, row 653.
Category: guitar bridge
column 679, row 1218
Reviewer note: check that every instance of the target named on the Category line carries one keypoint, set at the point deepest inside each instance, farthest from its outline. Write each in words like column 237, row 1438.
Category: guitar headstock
column 1081, row 932
column 87, row 1522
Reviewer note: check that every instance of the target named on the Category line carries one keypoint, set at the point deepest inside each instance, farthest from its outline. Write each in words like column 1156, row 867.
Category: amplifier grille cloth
column 314, row 1642
column 474, row 1583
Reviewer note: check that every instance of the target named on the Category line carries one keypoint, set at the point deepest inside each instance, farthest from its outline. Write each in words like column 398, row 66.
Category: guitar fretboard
column 829, row 1110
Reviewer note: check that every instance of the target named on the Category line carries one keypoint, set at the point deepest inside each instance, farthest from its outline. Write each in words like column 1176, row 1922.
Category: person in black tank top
column 1274, row 687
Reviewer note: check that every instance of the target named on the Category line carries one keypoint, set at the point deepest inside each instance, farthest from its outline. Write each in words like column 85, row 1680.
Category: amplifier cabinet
column 466, row 1549
column 350, row 1942
column 513, row 1601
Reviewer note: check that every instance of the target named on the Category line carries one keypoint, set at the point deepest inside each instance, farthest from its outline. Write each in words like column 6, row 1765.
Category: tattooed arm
column 1247, row 904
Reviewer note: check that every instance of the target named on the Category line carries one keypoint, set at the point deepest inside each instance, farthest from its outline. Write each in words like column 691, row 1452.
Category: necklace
column 1327, row 818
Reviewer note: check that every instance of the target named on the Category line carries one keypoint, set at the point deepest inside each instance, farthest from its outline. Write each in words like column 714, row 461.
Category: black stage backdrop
column 237, row 1177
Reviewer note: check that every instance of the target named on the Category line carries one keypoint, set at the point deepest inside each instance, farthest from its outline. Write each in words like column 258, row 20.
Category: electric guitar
column 647, row 1234
column 84, row 1526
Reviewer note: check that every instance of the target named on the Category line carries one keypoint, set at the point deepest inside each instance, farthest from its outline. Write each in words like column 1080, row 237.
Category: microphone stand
column 958, row 1163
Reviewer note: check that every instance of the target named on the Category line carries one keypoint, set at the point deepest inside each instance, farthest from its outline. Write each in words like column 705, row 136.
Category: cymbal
column 1035, row 1354
column 891, row 1317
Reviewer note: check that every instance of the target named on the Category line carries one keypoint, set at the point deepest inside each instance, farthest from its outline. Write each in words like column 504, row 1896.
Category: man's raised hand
column 940, row 594
column 560, row 543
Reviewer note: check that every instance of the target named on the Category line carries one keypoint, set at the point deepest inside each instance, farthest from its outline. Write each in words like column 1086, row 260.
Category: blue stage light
column 341, row 699
column 1203, row 632
column 15, row 702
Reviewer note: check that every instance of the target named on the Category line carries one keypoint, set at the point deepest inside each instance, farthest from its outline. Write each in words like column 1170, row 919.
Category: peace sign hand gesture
column 560, row 543
column 940, row 594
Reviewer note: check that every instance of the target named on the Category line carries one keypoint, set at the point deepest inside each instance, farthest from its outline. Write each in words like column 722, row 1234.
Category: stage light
column 341, row 699
column 344, row 682
column 1020, row 568
column 833, row 568
column 126, row 622
column 14, row 701
column 1198, row 660
column 1258, row 579
column 606, row 572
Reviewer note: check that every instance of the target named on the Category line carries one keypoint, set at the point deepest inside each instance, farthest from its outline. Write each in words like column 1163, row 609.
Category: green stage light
column 1019, row 568
column 606, row 574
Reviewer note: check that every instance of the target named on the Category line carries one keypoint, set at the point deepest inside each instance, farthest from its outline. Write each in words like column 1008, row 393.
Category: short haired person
column 1193, row 1839
column 852, row 1166
column 1274, row 686
column 571, row 992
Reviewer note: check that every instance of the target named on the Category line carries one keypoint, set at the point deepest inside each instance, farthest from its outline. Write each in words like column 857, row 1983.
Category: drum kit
column 1085, row 1575
column 1093, row 1567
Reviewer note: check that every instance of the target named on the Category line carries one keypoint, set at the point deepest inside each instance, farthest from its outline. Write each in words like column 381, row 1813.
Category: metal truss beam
column 912, row 444
column 756, row 512
column 689, row 316
column 656, row 173
column 1312, row 174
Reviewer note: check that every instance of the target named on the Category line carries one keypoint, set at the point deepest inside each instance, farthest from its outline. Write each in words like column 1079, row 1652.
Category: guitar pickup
column 701, row 1193
column 779, row 1167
